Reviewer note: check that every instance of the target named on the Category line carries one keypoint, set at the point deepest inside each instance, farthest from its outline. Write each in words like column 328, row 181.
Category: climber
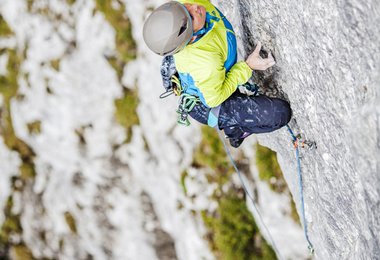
column 200, row 65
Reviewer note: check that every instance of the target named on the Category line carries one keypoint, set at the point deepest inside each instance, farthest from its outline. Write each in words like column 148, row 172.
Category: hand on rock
column 255, row 62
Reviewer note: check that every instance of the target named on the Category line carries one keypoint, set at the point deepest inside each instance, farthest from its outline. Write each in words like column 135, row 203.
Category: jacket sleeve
column 219, row 85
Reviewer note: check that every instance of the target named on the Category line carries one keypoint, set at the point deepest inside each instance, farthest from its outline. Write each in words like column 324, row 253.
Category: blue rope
column 250, row 196
column 310, row 245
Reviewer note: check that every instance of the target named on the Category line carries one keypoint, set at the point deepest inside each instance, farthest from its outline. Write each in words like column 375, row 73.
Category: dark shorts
column 241, row 115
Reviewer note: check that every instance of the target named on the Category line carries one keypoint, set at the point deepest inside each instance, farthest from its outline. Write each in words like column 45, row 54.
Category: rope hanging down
column 296, row 142
column 275, row 248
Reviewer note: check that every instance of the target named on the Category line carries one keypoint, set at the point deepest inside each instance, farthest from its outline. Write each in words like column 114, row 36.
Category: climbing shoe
column 236, row 142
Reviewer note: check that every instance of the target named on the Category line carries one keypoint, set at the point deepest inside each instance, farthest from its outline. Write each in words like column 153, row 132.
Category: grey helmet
column 168, row 29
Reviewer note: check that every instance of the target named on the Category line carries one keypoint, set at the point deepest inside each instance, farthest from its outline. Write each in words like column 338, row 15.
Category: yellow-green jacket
column 207, row 67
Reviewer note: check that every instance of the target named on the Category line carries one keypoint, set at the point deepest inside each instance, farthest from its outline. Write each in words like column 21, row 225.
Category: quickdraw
column 298, row 142
column 302, row 143
column 186, row 104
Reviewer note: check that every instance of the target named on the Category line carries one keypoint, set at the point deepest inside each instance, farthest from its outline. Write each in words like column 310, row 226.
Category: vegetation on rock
column 270, row 171
column 231, row 229
column 126, row 106
column 11, row 228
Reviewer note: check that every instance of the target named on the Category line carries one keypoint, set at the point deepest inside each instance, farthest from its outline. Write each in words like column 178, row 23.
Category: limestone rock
column 328, row 64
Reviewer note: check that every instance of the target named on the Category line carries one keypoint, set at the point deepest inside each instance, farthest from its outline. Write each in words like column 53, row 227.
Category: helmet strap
column 200, row 32
column 209, row 20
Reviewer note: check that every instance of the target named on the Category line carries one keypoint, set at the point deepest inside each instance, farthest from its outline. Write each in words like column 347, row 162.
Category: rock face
column 96, row 196
column 328, row 63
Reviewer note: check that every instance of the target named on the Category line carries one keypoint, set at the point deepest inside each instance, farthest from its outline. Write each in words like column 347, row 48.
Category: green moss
column 183, row 179
column 233, row 233
column 211, row 154
column 117, row 65
column 29, row 4
column 71, row 222
column 34, row 127
column 55, row 64
column 125, row 113
column 11, row 224
column 115, row 14
column 125, row 43
column 8, row 83
column 269, row 169
column 4, row 28
column 71, row 2
column 27, row 171
column 21, row 252
column 8, row 89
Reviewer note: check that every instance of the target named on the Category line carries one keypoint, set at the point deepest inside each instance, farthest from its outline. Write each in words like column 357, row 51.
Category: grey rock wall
column 328, row 63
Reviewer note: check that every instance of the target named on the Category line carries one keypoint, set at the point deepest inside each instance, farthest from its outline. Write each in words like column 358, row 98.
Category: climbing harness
column 298, row 142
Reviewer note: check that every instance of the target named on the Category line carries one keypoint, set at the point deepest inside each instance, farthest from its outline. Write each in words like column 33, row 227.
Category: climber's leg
column 241, row 115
